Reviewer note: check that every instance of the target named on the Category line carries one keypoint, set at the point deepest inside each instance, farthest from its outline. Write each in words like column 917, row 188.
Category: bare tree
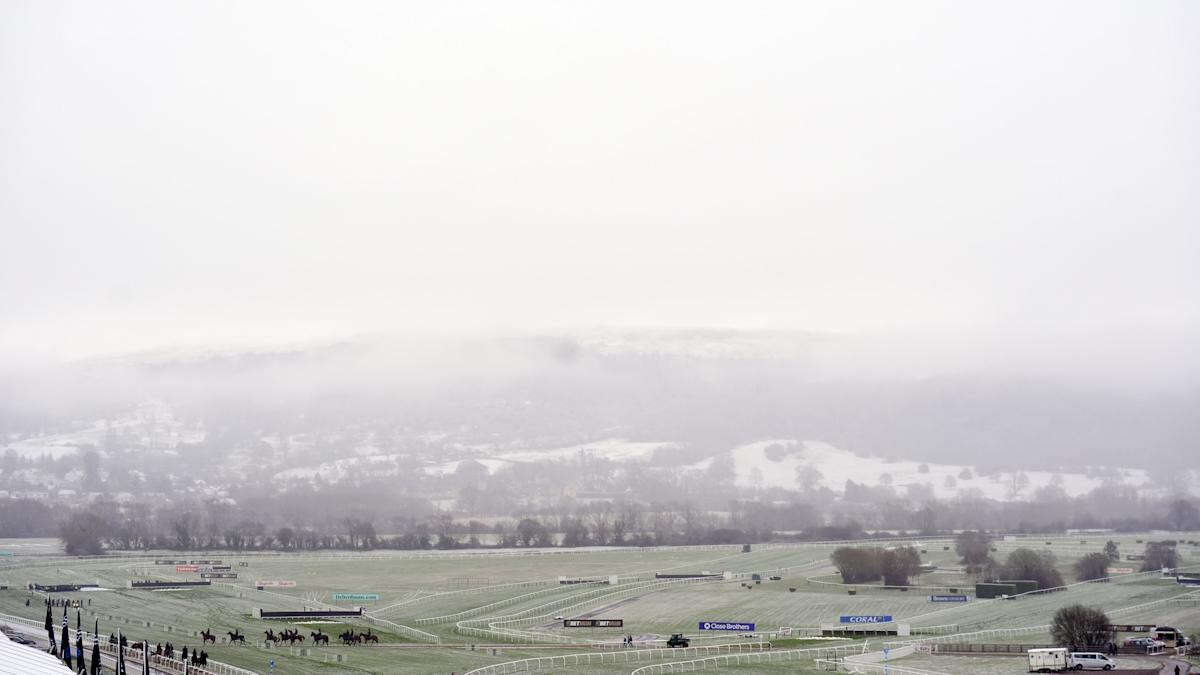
column 808, row 477
column 1016, row 484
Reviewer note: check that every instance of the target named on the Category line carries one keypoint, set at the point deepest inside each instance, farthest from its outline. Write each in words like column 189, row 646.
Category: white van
column 1052, row 660
column 1092, row 661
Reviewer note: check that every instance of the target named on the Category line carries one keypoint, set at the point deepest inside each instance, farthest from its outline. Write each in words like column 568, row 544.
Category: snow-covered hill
column 614, row 449
column 788, row 463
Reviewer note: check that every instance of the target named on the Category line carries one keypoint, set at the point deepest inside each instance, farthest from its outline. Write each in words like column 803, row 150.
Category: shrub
column 973, row 547
column 1091, row 567
column 1025, row 563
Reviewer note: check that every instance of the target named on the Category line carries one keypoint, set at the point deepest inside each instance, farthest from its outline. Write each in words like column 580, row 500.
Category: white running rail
column 748, row 659
column 613, row 657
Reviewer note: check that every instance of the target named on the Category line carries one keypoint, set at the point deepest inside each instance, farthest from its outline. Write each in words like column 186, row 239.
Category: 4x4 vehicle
column 677, row 640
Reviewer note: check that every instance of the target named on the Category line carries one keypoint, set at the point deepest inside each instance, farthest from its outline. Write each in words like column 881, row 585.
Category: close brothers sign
column 726, row 625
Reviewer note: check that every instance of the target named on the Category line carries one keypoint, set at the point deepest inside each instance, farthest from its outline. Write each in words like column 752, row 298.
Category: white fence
column 1025, row 630
column 748, row 659
column 613, row 657
column 504, row 627
column 462, row 591
column 874, row 662
column 516, row 599
column 972, row 636
column 408, row 631
column 846, row 666
column 162, row 663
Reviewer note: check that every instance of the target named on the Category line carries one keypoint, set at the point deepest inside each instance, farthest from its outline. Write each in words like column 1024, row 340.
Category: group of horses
column 293, row 636
column 351, row 638
column 235, row 635
column 290, row 636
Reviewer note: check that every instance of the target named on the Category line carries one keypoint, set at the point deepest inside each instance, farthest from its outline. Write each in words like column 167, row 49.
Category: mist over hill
column 703, row 392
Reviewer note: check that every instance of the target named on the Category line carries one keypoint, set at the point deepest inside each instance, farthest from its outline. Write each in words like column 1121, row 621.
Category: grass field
column 432, row 592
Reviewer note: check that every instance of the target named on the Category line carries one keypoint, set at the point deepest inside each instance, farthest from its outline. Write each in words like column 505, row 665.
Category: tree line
column 337, row 518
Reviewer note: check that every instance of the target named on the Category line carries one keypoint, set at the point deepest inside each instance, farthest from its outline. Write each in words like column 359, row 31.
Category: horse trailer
column 1052, row 660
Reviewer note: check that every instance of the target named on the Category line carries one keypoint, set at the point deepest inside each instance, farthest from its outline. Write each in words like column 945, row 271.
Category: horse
column 235, row 636
column 319, row 638
column 292, row 636
column 350, row 638
column 270, row 635
column 206, row 636
column 137, row 646
column 368, row 637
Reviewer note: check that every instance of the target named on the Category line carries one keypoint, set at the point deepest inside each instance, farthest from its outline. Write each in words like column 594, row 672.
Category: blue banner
column 947, row 598
column 726, row 625
column 866, row 619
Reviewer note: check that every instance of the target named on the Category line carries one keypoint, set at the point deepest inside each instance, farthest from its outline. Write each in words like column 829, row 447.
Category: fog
column 271, row 173
column 475, row 260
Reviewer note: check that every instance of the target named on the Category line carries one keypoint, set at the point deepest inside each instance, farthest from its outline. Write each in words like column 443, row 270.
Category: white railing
column 944, row 629
column 461, row 591
column 874, row 662
column 1155, row 603
column 8, row 618
column 504, row 627
column 408, row 631
column 848, row 666
column 163, row 663
column 516, row 599
column 964, row 607
column 973, row 635
column 1023, row 630
column 549, row 606
column 748, row 659
column 622, row 578
column 612, row 657
column 285, row 596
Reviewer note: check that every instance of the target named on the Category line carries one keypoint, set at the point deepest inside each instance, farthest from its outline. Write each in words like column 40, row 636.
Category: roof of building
column 18, row 659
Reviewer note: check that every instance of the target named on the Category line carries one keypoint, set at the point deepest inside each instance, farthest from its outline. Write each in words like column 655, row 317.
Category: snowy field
column 768, row 463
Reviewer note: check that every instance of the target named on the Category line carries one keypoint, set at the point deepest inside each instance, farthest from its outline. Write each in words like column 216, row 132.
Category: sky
column 204, row 173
